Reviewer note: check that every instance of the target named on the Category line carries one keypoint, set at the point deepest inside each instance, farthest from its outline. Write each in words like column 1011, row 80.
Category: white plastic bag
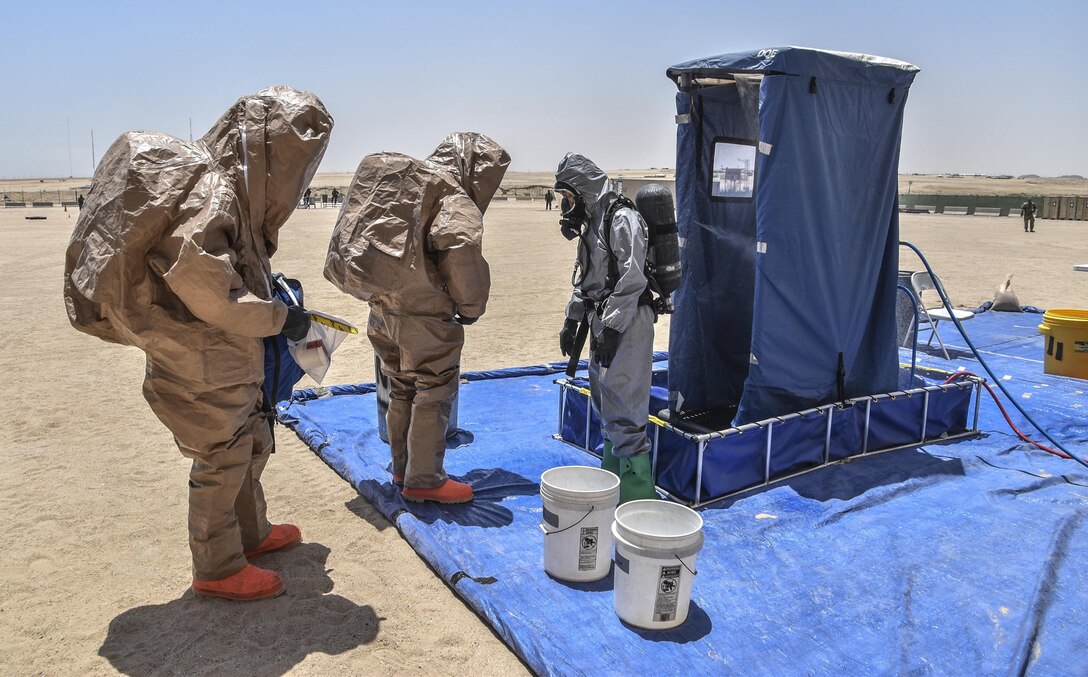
column 314, row 353
column 1005, row 298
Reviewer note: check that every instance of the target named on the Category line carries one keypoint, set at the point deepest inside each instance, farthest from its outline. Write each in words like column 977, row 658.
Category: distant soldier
column 80, row 202
column 1027, row 211
column 548, row 198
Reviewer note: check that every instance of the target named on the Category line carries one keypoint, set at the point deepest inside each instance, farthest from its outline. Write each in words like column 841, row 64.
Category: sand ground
column 94, row 569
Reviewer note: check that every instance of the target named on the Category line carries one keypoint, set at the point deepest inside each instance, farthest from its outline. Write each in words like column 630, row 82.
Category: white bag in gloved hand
column 314, row 353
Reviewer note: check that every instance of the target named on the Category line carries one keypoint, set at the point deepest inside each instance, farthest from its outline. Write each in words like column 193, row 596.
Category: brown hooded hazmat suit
column 409, row 241
column 171, row 254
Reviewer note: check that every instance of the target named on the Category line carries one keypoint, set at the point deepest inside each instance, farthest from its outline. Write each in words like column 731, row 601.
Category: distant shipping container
column 1082, row 209
column 1067, row 207
column 1050, row 207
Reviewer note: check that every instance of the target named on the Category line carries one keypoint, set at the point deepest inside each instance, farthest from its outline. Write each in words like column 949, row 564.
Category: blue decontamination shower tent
column 787, row 163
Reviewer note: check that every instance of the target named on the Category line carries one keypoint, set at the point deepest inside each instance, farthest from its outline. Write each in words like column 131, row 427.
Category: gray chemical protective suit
column 621, row 392
column 171, row 254
column 409, row 241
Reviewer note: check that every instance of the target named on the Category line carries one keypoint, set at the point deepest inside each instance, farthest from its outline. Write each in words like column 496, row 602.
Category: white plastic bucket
column 656, row 546
column 579, row 502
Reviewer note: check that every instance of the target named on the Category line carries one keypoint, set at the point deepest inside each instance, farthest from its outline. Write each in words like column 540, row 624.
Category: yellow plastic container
column 1065, row 335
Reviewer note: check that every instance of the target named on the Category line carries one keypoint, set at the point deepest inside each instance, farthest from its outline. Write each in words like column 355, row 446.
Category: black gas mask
column 574, row 217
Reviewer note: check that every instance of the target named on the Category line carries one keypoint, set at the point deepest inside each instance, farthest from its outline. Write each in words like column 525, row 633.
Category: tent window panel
column 733, row 169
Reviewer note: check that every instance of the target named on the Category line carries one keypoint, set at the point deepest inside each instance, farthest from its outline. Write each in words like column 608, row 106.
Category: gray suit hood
column 586, row 177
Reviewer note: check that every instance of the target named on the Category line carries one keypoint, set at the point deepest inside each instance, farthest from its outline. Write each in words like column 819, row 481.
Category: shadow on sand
column 195, row 635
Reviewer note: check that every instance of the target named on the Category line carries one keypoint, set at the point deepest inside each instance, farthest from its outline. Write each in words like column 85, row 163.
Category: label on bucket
column 1080, row 346
column 668, row 593
column 551, row 518
column 587, row 549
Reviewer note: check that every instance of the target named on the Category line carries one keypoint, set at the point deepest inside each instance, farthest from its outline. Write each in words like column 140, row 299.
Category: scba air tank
column 655, row 204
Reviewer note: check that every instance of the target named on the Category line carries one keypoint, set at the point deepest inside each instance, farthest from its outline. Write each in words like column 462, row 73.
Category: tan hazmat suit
column 409, row 241
column 171, row 254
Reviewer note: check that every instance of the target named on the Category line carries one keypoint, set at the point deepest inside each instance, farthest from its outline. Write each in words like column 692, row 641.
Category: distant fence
column 527, row 192
column 321, row 196
column 1070, row 208
column 988, row 205
column 58, row 196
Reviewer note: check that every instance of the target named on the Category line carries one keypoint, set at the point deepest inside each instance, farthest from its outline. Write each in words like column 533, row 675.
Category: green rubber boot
column 636, row 478
column 608, row 461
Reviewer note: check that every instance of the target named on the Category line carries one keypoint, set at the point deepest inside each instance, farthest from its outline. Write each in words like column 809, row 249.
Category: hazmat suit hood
column 272, row 142
column 410, row 234
column 584, row 176
column 476, row 161
column 175, row 237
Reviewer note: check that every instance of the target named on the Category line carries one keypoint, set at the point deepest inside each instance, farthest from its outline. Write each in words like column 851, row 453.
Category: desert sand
column 94, row 571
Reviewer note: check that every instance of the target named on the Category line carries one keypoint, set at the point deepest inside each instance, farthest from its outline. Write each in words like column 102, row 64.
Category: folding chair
column 923, row 282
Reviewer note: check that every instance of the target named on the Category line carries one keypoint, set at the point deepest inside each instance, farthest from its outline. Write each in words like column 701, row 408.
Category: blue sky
column 1001, row 89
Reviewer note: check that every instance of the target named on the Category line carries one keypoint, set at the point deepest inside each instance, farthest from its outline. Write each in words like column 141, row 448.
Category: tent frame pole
column 699, row 473
column 925, row 415
column 827, row 436
column 767, row 454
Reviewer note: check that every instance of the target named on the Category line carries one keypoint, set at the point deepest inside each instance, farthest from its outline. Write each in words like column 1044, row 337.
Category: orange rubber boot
column 248, row 584
column 398, row 480
column 450, row 491
column 281, row 537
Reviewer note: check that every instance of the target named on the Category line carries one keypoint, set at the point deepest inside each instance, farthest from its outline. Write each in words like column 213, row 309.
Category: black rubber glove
column 567, row 337
column 464, row 319
column 607, row 344
column 297, row 324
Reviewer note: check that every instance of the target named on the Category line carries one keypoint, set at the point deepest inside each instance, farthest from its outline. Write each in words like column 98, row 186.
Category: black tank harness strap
column 647, row 296
column 606, row 235
column 579, row 344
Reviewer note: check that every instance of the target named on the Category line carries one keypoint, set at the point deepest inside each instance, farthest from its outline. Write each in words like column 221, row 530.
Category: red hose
column 1004, row 413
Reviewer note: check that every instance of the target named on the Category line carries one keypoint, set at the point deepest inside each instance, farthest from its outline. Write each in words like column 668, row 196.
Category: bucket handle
column 552, row 533
column 693, row 573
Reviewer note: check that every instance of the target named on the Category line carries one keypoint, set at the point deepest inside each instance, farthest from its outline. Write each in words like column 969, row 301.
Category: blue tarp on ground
column 793, row 273
column 957, row 559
